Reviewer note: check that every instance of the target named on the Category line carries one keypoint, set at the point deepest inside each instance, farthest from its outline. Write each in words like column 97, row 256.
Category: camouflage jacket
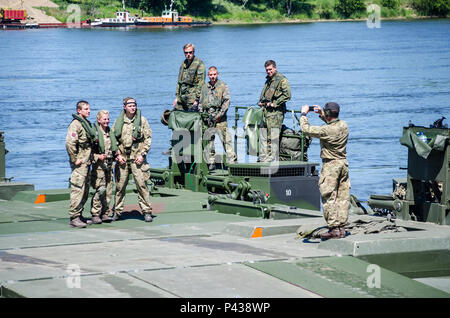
column 105, row 164
column 333, row 137
column 77, row 143
column 215, row 99
column 277, row 91
column 125, row 141
column 191, row 78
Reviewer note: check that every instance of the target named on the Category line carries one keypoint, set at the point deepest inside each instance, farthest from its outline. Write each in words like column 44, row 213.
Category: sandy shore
column 36, row 15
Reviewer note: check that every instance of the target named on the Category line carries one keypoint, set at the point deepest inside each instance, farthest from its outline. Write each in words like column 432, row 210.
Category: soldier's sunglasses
column 189, row 52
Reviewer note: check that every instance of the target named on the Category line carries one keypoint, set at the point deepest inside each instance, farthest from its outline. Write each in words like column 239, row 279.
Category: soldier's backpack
column 293, row 145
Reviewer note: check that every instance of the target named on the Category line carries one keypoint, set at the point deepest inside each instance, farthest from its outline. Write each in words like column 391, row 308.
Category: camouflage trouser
column 334, row 186
column 225, row 137
column 141, row 174
column 186, row 101
column 102, row 181
column 79, row 189
column 269, row 136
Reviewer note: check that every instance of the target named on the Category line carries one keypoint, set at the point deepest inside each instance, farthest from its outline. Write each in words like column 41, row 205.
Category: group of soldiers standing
column 213, row 98
column 129, row 140
column 93, row 149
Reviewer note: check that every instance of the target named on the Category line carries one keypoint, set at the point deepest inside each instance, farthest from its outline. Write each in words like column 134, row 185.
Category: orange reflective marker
column 257, row 232
column 40, row 199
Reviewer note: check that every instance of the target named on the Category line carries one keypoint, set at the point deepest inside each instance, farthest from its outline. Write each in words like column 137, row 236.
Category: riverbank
column 298, row 21
column 226, row 12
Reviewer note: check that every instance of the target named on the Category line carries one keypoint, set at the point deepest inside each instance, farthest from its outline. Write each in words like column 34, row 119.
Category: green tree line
column 259, row 10
column 291, row 8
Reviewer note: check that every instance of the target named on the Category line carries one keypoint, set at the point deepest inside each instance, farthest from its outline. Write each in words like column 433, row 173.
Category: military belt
column 332, row 159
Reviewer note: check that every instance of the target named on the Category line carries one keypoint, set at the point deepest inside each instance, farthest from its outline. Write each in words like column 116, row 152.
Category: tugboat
column 169, row 17
column 123, row 19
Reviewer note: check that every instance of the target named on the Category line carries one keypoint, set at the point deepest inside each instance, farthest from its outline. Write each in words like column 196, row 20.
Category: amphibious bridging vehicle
column 241, row 230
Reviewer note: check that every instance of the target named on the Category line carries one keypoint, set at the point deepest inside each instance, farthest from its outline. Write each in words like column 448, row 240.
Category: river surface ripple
column 382, row 78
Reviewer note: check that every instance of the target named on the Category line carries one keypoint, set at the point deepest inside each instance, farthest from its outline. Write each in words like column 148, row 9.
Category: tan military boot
column 116, row 217
column 106, row 218
column 87, row 221
column 148, row 217
column 96, row 220
column 76, row 222
column 331, row 234
column 342, row 232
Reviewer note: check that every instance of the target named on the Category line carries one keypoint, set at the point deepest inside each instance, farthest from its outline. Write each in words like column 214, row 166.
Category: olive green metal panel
column 435, row 166
column 10, row 189
column 428, row 178
column 414, row 264
column 347, row 277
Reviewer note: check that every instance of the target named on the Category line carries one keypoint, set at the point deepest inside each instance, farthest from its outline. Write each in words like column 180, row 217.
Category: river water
column 382, row 78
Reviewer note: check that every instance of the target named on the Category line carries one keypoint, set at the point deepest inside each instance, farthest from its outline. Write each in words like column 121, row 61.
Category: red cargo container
column 12, row 15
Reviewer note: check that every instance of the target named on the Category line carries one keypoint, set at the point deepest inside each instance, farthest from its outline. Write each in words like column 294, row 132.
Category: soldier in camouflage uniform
column 134, row 138
column 191, row 77
column 102, row 168
column 334, row 181
column 79, row 139
column 275, row 93
column 215, row 101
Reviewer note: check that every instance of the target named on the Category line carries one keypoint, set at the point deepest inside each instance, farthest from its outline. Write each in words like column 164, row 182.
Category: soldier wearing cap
column 215, row 101
column 274, row 95
column 334, row 181
column 191, row 77
column 134, row 138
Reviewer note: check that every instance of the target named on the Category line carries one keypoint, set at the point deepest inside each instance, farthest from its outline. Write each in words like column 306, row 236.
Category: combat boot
column 334, row 233
column 96, row 220
column 87, row 221
column 106, row 218
column 116, row 217
column 76, row 222
column 148, row 217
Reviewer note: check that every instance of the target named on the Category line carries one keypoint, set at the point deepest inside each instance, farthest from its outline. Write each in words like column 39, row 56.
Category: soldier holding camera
column 334, row 181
